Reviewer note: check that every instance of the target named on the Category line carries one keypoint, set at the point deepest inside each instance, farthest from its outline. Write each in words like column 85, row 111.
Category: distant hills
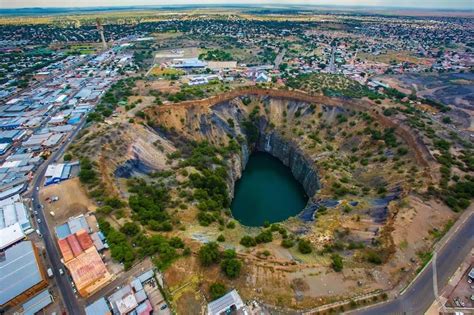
column 251, row 8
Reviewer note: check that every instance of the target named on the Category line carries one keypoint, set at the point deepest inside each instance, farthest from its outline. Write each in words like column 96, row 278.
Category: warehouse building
column 84, row 263
column 22, row 274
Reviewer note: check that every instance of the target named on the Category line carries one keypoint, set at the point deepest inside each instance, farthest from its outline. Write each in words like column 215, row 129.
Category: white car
column 61, row 272
column 39, row 220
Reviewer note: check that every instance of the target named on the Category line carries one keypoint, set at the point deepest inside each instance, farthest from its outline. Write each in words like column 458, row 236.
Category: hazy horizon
column 429, row 4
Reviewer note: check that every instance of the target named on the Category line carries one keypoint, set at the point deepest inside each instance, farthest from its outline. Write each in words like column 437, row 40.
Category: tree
column 248, row 241
column 130, row 228
column 216, row 290
column 230, row 264
column 209, row 254
column 336, row 262
column 221, row 238
column 287, row 243
column 264, row 237
column 304, row 246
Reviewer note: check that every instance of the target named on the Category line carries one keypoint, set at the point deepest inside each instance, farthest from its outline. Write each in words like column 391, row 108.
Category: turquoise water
column 267, row 191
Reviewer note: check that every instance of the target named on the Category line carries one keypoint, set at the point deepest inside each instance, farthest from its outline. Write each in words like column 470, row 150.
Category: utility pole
column 100, row 28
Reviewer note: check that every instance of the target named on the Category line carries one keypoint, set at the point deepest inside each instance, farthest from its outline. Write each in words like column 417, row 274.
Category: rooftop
column 19, row 269
column 225, row 303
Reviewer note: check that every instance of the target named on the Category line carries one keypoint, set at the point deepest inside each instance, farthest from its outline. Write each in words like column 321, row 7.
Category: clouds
column 452, row 4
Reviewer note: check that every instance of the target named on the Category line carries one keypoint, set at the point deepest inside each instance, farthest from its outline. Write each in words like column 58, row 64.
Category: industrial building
column 99, row 307
column 231, row 302
column 22, row 274
column 84, row 263
column 56, row 173
column 11, row 235
column 37, row 303
column 13, row 211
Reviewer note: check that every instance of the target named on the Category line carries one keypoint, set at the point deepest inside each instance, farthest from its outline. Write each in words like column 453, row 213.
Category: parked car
column 61, row 272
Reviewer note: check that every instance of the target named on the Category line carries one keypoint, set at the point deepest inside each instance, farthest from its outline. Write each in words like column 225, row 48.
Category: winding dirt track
column 422, row 153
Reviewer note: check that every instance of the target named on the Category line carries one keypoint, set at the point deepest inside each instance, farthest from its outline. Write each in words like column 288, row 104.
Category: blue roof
column 146, row 276
column 62, row 230
column 37, row 303
column 99, row 307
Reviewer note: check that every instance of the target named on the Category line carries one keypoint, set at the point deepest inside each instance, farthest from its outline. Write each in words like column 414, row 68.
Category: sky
column 433, row 4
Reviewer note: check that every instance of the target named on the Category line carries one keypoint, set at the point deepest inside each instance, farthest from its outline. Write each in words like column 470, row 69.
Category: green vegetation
column 248, row 241
column 162, row 250
column 216, row 290
column 304, row 246
column 216, row 55
column 118, row 92
column 330, row 85
column 336, row 263
column 87, row 174
column 148, row 203
column 230, row 265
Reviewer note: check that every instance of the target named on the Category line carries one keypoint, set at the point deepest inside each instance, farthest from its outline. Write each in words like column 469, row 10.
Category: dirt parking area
column 73, row 201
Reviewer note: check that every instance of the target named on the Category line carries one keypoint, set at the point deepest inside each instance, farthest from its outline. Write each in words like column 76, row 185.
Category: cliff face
column 288, row 153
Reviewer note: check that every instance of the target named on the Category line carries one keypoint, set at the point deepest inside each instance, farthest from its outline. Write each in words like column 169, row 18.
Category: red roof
column 84, row 239
column 65, row 250
column 74, row 243
column 144, row 309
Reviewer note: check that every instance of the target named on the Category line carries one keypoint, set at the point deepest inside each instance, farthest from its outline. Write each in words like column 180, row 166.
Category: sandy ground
column 72, row 201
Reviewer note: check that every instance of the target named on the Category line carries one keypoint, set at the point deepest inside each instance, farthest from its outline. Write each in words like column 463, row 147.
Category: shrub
column 230, row 264
column 216, row 290
column 373, row 257
column 209, row 254
column 336, row 263
column 130, row 228
column 248, row 241
column 264, row 237
column 304, row 246
column 221, row 238
column 287, row 243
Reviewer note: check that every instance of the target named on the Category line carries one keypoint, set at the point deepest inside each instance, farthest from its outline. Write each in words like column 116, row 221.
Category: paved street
column 65, row 289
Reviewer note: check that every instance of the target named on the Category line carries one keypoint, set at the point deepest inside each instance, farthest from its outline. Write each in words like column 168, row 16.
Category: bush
column 264, row 237
column 304, row 246
column 221, row 238
column 336, row 264
column 216, row 290
column 248, row 241
column 230, row 264
column 231, row 225
column 287, row 243
column 373, row 257
column 130, row 229
column 209, row 254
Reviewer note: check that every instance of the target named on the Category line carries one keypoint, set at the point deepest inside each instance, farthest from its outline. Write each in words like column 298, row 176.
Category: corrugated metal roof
column 146, row 276
column 77, row 223
column 19, row 271
column 11, row 235
column 225, row 302
column 99, row 307
column 74, row 244
column 37, row 303
column 84, row 239
column 65, row 249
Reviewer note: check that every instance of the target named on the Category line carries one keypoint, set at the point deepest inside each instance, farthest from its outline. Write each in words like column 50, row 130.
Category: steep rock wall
column 292, row 157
